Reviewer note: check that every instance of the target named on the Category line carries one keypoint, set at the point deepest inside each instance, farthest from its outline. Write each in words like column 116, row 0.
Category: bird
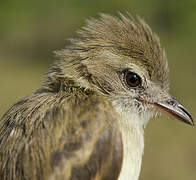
column 87, row 120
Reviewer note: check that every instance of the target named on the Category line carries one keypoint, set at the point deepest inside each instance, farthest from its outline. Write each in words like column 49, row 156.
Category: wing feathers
column 72, row 138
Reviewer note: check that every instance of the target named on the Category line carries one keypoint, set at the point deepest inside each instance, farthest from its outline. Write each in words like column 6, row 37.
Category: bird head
column 121, row 58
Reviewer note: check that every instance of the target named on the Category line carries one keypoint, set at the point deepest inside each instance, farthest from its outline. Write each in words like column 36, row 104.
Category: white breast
column 133, row 145
column 131, row 124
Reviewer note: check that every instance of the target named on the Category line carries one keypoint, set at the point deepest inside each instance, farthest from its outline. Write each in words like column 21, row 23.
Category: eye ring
column 132, row 79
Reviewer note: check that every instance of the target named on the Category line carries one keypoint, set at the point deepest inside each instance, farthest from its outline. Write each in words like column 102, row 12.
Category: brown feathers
column 53, row 136
column 69, row 128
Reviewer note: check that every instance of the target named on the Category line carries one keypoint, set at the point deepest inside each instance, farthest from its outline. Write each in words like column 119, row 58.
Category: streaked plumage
column 43, row 138
column 84, row 122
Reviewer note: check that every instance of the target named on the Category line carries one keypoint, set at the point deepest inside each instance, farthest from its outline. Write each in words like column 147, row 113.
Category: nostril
column 171, row 102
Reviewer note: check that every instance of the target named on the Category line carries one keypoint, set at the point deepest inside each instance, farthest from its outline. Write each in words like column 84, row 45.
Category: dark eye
column 132, row 79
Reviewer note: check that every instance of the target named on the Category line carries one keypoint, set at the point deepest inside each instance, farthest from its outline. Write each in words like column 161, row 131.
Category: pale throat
column 132, row 127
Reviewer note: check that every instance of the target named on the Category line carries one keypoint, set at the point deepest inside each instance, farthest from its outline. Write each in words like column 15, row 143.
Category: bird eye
column 132, row 79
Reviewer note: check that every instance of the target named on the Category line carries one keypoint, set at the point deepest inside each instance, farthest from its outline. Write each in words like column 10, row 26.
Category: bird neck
column 131, row 125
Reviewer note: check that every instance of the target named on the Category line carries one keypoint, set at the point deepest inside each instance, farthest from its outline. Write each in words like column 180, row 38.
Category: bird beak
column 175, row 109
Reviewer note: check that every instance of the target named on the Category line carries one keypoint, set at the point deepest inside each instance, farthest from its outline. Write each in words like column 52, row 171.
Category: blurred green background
column 31, row 30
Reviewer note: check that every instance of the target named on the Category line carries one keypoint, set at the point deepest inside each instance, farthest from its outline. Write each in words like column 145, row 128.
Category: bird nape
column 87, row 119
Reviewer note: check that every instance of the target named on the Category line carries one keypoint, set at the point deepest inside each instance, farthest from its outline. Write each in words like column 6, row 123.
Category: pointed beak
column 173, row 108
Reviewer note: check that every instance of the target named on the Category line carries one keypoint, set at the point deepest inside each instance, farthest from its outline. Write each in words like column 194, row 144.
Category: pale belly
column 132, row 127
column 133, row 144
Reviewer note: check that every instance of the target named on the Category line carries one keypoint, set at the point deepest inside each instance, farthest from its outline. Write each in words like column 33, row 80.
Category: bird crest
column 127, row 36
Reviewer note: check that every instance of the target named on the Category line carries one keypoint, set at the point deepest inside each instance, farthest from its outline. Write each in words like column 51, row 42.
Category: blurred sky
column 31, row 30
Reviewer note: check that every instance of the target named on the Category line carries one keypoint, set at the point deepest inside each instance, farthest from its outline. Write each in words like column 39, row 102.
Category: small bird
column 86, row 121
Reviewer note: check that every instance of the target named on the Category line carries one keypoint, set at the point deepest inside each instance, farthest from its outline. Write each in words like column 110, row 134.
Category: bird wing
column 62, row 137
